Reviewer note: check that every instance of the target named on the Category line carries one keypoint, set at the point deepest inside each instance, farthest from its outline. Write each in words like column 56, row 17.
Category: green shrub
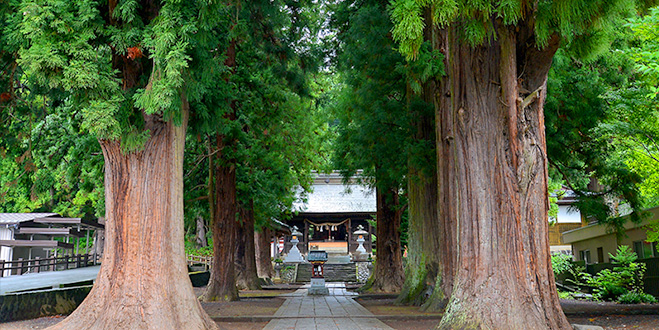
column 192, row 248
column 565, row 295
column 561, row 263
column 608, row 290
column 636, row 297
column 626, row 276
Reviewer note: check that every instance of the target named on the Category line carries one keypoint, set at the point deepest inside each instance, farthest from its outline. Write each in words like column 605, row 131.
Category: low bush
column 561, row 263
column 565, row 295
column 625, row 277
column 636, row 297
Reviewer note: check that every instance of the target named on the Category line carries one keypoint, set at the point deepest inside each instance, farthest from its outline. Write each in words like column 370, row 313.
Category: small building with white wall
column 9, row 228
column 568, row 218
column 593, row 243
column 27, row 236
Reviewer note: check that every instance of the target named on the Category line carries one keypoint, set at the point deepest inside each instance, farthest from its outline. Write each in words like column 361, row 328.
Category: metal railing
column 37, row 264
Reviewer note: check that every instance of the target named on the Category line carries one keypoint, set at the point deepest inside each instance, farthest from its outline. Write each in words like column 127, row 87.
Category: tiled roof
column 11, row 218
column 333, row 198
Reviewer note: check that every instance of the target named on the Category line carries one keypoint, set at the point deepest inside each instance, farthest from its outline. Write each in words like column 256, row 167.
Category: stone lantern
column 360, row 253
column 317, row 260
column 294, row 254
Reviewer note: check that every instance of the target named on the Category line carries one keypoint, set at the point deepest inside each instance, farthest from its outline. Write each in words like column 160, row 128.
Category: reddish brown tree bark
column 143, row 282
column 388, row 274
column 422, row 272
column 492, row 169
column 223, row 207
column 246, row 277
column 262, row 244
column 224, row 227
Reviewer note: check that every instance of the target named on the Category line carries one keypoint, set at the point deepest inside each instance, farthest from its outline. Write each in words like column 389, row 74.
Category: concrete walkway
column 335, row 311
column 43, row 280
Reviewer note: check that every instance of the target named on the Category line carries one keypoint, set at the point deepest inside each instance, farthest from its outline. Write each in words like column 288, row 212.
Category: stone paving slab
column 336, row 311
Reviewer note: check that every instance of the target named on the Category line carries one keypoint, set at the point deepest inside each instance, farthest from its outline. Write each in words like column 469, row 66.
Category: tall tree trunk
column 246, row 277
column 143, row 282
column 224, row 226
column 223, row 207
column 422, row 268
column 200, row 239
column 492, row 169
column 422, row 275
column 388, row 274
column 264, row 267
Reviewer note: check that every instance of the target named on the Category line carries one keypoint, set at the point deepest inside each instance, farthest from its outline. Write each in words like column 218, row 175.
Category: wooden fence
column 48, row 264
column 207, row 262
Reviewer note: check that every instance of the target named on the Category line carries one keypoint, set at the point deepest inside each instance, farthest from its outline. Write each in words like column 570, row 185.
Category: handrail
column 49, row 264
column 207, row 261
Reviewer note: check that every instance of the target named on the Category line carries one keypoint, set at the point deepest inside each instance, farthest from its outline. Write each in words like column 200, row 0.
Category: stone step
column 338, row 258
column 346, row 272
column 303, row 273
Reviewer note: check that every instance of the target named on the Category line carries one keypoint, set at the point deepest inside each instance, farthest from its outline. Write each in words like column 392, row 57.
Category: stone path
column 335, row 311
column 47, row 280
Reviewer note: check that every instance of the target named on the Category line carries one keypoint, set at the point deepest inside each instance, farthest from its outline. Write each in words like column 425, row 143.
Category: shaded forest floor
column 252, row 311
column 610, row 316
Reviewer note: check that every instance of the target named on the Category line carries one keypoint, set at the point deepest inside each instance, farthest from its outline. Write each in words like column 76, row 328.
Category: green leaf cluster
column 586, row 24
column 561, row 263
column 375, row 107
column 47, row 162
column 121, row 61
column 580, row 116
column 626, row 276
column 262, row 108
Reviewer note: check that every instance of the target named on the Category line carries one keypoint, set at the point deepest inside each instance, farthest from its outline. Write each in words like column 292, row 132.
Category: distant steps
column 346, row 272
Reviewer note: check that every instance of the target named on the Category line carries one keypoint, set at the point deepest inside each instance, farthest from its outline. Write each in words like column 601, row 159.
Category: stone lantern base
column 359, row 257
column 318, row 287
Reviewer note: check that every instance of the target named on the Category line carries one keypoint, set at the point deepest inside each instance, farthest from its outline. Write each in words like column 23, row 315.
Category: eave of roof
column 597, row 230
column 14, row 218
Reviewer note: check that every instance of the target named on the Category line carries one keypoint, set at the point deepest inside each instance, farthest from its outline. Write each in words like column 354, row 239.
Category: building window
column 645, row 249
column 585, row 256
column 600, row 255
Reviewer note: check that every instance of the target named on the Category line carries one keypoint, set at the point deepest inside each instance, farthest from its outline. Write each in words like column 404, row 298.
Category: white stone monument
column 294, row 254
column 360, row 253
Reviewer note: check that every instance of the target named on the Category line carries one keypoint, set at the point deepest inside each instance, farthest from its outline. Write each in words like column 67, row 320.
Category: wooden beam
column 50, row 231
column 94, row 224
column 69, row 221
column 36, row 243
column 58, row 220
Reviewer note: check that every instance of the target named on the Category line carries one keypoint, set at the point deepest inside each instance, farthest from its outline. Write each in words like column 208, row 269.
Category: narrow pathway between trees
column 335, row 311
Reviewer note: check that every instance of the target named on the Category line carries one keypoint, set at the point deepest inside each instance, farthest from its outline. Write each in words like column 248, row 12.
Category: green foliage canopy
column 585, row 23
column 47, row 163
column 119, row 63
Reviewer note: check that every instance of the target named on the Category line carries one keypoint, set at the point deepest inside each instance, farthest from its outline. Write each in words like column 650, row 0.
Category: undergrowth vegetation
column 622, row 283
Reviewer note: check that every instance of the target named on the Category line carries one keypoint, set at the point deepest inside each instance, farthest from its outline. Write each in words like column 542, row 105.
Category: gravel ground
column 614, row 322
column 245, row 307
column 40, row 323
column 44, row 322
column 610, row 322
column 610, row 316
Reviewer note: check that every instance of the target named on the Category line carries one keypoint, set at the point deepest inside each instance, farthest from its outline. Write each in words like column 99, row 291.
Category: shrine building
column 331, row 214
